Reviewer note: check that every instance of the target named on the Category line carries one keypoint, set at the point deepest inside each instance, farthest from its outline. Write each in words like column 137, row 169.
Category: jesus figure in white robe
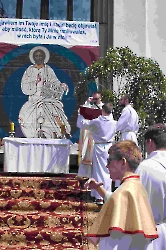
column 43, row 110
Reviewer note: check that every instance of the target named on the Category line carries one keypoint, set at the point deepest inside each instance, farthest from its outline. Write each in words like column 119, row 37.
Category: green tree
column 140, row 77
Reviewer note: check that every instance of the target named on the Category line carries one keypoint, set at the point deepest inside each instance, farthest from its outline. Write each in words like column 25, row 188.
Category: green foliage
column 144, row 82
column 109, row 96
column 81, row 91
column 143, row 78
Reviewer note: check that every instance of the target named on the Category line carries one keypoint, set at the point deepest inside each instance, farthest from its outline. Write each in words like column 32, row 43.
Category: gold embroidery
column 27, row 183
column 36, row 213
column 52, row 222
column 39, row 194
column 15, row 193
column 11, row 239
column 23, row 205
column 3, row 203
column 64, row 208
column 25, row 221
column 45, row 204
column 56, row 236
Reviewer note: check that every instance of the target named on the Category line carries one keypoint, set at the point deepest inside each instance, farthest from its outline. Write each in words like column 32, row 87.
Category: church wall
column 156, row 32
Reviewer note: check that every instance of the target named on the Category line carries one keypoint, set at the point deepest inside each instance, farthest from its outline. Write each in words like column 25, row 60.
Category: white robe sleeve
column 82, row 123
column 51, row 77
column 150, row 179
column 107, row 195
column 137, row 126
column 28, row 82
column 123, row 120
column 87, row 105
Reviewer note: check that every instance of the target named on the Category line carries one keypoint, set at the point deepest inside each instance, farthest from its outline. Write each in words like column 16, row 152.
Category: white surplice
column 85, row 170
column 152, row 173
column 128, row 124
column 103, row 131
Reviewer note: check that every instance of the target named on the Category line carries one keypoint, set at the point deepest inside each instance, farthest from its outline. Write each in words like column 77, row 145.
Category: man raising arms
column 103, row 131
column 86, row 142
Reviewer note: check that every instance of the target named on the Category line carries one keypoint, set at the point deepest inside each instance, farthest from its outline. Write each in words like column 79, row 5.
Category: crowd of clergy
column 133, row 215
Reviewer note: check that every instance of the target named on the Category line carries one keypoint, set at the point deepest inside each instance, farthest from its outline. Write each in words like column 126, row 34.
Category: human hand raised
column 65, row 86
column 92, row 184
column 89, row 99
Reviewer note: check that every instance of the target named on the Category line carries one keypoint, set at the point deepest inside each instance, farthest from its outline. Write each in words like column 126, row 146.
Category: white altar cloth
column 36, row 155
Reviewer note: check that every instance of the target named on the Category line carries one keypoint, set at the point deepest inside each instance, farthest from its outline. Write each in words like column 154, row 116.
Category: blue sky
column 31, row 9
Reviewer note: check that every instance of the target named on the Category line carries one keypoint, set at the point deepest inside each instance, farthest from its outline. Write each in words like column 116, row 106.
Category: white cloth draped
column 128, row 124
column 103, row 131
column 36, row 155
column 152, row 173
column 45, row 91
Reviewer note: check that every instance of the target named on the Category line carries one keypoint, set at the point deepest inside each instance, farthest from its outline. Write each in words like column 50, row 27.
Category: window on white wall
column 81, row 10
column 58, row 9
column 9, row 7
column 31, row 9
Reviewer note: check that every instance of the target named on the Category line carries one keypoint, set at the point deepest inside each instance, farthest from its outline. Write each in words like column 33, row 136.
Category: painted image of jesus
column 44, row 109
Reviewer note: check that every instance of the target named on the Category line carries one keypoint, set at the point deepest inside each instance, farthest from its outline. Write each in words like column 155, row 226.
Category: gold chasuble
column 86, row 143
column 127, row 210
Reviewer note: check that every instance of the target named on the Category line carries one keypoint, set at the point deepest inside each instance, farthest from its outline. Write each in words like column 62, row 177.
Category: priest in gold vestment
column 125, row 221
column 86, row 143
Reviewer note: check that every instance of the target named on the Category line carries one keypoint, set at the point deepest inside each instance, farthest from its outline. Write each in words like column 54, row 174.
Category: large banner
column 38, row 75
column 25, row 31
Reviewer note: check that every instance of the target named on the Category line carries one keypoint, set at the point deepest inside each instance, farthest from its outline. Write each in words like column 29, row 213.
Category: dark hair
column 127, row 96
column 97, row 92
column 157, row 133
column 126, row 149
column 107, row 107
column 41, row 51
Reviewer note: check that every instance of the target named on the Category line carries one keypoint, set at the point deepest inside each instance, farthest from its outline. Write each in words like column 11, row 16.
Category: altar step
column 40, row 211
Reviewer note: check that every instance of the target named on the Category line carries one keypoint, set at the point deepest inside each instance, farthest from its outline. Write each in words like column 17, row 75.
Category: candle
column 63, row 129
column 12, row 126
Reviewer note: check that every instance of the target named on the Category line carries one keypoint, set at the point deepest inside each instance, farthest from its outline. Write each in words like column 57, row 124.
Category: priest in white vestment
column 86, row 143
column 152, row 173
column 125, row 221
column 103, row 131
column 44, row 109
column 128, row 121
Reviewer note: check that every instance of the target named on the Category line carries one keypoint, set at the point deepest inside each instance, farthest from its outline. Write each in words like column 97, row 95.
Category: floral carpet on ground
column 45, row 213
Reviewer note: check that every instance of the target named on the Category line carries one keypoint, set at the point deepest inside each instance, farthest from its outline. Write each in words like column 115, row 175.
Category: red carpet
column 44, row 213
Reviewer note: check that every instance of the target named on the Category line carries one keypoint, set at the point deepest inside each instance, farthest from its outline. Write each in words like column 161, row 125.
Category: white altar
column 36, row 155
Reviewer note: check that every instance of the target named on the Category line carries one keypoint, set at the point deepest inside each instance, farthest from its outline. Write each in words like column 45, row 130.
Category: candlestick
column 12, row 127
